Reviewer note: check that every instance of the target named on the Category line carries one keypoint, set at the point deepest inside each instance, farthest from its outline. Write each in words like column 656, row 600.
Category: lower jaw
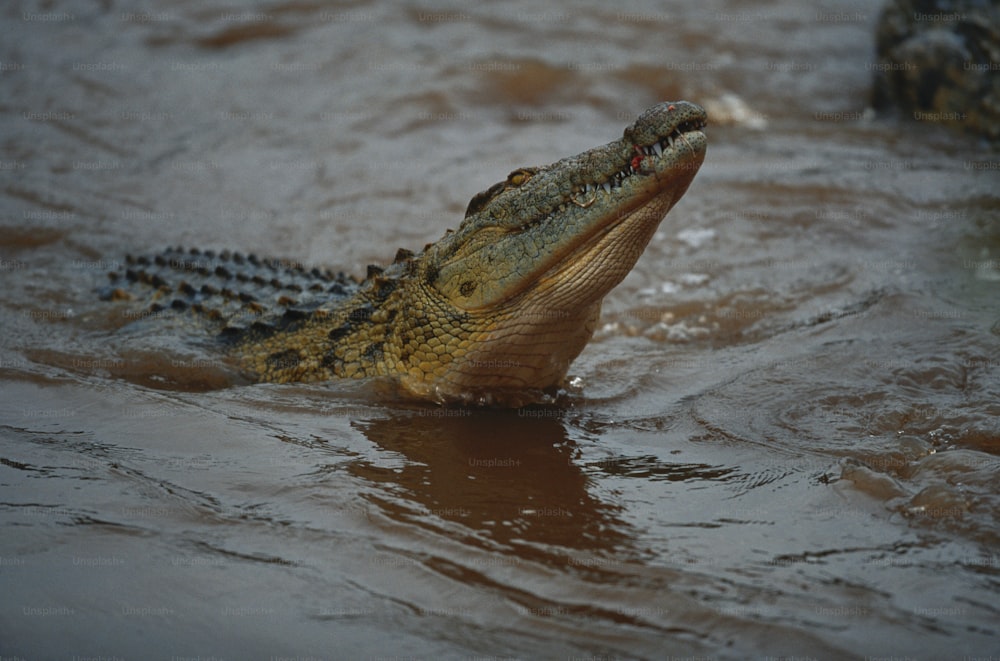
column 603, row 259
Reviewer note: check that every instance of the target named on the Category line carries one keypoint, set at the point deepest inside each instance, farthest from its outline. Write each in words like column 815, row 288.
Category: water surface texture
column 782, row 442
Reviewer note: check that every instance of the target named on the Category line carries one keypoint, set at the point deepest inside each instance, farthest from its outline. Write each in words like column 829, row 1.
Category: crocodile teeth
column 658, row 149
column 607, row 187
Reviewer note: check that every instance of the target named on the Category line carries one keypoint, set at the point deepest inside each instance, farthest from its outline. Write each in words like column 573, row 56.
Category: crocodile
column 492, row 313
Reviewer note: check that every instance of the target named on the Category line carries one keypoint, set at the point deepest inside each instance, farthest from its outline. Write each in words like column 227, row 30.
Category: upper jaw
column 664, row 120
column 664, row 140
column 666, row 137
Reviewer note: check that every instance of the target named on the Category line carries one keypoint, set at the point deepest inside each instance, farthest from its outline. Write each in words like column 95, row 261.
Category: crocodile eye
column 521, row 175
column 467, row 287
column 514, row 179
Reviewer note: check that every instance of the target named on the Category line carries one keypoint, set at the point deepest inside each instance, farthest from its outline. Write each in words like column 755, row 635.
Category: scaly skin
column 495, row 311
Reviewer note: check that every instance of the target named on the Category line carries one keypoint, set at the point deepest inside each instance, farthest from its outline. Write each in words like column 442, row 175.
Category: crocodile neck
column 496, row 310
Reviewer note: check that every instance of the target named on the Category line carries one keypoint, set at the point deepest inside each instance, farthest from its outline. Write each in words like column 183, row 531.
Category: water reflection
column 508, row 477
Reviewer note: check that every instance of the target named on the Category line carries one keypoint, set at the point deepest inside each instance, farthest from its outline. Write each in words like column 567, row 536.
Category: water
column 783, row 440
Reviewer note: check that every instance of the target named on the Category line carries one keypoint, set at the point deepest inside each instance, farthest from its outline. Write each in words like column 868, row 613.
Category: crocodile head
column 515, row 292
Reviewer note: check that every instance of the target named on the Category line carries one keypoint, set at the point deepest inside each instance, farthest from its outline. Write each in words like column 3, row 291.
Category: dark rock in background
column 939, row 61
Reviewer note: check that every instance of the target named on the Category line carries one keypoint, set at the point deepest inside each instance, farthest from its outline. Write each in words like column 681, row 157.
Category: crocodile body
column 493, row 312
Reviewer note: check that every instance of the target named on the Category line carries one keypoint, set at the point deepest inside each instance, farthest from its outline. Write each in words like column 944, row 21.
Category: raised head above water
column 493, row 312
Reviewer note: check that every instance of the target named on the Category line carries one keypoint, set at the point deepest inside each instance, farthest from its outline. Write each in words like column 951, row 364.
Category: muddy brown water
column 783, row 440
